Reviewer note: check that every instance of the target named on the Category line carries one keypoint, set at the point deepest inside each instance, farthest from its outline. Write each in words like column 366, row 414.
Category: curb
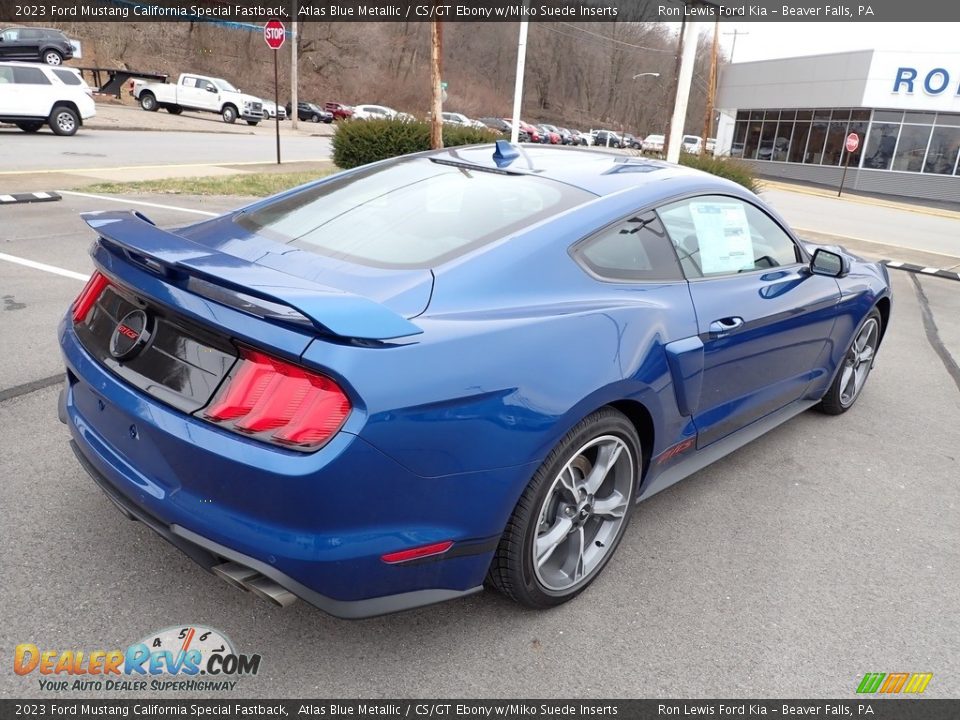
column 33, row 197
column 921, row 270
column 777, row 184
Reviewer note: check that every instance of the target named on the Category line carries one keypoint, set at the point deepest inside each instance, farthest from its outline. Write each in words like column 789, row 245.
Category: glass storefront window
column 948, row 119
column 880, row 144
column 739, row 137
column 781, row 142
column 799, row 143
column 891, row 116
column 804, row 114
column 836, row 136
column 859, row 127
column 912, row 147
column 753, row 139
column 860, row 116
column 818, row 135
column 822, row 114
column 942, row 155
column 769, row 132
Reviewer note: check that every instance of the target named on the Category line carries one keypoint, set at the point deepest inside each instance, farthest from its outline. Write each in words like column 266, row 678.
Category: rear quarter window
column 68, row 77
column 411, row 214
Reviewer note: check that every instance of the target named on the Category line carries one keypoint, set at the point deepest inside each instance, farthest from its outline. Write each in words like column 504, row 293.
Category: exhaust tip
column 271, row 592
column 234, row 574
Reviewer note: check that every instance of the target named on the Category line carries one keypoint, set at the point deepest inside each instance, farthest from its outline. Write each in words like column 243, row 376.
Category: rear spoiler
column 328, row 309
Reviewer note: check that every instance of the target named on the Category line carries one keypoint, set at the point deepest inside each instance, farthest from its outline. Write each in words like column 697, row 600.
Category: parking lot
column 824, row 550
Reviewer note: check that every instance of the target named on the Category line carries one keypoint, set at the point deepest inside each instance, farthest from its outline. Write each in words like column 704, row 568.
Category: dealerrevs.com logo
column 190, row 658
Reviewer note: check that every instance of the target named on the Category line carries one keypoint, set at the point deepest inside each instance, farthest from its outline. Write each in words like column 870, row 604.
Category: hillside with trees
column 577, row 74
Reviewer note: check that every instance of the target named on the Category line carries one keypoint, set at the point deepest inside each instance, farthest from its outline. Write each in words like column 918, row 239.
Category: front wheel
column 254, row 123
column 64, row 121
column 314, row 118
column 855, row 368
column 571, row 517
column 229, row 114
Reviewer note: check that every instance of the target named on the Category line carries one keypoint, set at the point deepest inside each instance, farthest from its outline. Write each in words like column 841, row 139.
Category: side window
column 6, row 74
column 11, row 35
column 68, row 77
column 633, row 249
column 30, row 76
column 30, row 34
column 719, row 235
column 189, row 82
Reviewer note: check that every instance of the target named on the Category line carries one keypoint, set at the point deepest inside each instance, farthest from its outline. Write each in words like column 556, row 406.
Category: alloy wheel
column 858, row 362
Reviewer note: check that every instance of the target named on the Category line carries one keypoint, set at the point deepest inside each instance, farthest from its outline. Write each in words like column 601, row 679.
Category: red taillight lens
column 89, row 295
column 417, row 553
column 278, row 402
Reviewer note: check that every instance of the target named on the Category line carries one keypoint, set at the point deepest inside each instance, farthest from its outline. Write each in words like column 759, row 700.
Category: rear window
column 412, row 214
column 68, row 77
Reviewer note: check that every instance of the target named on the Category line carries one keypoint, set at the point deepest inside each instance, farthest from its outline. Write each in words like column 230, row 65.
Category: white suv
column 33, row 95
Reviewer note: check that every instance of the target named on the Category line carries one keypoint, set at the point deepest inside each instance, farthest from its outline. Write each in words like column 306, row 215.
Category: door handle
column 725, row 325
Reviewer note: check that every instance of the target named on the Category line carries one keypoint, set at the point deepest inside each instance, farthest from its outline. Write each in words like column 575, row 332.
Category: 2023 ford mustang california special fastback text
column 389, row 387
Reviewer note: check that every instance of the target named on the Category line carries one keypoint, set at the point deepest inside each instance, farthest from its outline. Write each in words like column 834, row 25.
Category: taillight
column 417, row 553
column 278, row 402
column 88, row 296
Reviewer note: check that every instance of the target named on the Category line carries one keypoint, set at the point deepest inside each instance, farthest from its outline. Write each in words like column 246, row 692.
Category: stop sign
column 853, row 142
column 274, row 34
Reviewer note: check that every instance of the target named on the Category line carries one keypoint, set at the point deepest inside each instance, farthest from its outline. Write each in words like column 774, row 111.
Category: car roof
column 596, row 171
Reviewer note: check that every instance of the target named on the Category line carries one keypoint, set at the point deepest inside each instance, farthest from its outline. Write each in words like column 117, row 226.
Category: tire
column 52, row 57
column 253, row 123
column 547, row 509
column 229, row 114
column 149, row 102
column 328, row 120
column 855, row 368
column 64, row 121
column 174, row 109
column 30, row 127
column 314, row 118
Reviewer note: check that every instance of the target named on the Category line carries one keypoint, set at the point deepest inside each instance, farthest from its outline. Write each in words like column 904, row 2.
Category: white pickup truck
column 198, row 92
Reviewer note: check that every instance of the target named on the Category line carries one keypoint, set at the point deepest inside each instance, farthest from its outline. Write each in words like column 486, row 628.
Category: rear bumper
column 317, row 524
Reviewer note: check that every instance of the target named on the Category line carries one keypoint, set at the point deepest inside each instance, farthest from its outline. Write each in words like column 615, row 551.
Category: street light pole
column 518, row 81
column 684, row 80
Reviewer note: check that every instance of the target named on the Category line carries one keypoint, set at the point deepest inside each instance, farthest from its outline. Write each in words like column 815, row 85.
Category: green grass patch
column 725, row 167
column 247, row 184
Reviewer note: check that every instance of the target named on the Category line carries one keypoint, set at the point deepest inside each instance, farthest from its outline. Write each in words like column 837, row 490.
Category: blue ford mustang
column 392, row 386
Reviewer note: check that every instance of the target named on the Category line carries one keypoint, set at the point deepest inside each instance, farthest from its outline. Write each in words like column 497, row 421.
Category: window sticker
column 723, row 234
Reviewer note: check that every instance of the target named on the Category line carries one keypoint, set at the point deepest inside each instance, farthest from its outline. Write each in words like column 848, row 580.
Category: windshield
column 410, row 214
column 224, row 85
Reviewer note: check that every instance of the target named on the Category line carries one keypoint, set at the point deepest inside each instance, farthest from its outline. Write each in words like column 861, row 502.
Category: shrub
column 359, row 142
column 724, row 167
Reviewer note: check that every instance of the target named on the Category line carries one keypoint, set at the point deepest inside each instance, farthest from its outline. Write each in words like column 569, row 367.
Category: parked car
column 35, row 44
column 453, row 118
column 533, row 135
column 227, row 381
column 653, row 143
column 270, row 110
column 373, row 112
column 548, row 136
column 567, row 137
column 505, row 127
column 711, row 145
column 201, row 93
column 311, row 112
column 34, row 95
column 629, row 141
column 692, row 144
column 339, row 110
column 584, row 138
column 607, row 138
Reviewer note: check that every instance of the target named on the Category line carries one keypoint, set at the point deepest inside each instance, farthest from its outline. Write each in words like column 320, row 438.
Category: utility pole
column 294, row 75
column 436, row 73
column 733, row 47
column 684, row 80
column 711, row 88
column 676, row 81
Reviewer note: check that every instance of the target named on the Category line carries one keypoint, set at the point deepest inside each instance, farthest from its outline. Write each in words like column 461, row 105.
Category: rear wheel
column 52, row 57
column 30, row 127
column 571, row 517
column 64, row 120
column 148, row 102
column 855, row 368
column 254, row 123
column 174, row 109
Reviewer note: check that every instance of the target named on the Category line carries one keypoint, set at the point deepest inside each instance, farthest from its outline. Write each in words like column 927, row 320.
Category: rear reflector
column 278, row 402
column 89, row 295
column 417, row 553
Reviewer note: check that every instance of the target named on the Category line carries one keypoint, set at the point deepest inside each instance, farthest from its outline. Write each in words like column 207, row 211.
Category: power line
column 545, row 26
column 614, row 40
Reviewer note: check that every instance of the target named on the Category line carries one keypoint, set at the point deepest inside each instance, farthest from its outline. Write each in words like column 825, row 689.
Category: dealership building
column 789, row 118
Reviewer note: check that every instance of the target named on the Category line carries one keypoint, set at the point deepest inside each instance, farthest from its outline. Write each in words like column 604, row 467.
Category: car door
column 34, row 92
column 765, row 321
column 28, row 44
column 191, row 93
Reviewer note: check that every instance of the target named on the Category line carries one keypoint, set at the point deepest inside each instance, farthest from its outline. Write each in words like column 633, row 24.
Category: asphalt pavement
column 824, row 550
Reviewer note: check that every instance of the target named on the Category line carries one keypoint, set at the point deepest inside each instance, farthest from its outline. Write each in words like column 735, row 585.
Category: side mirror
column 827, row 262
column 211, row 89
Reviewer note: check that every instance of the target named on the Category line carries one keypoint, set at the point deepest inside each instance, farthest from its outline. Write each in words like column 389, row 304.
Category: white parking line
column 139, row 202
column 43, row 266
